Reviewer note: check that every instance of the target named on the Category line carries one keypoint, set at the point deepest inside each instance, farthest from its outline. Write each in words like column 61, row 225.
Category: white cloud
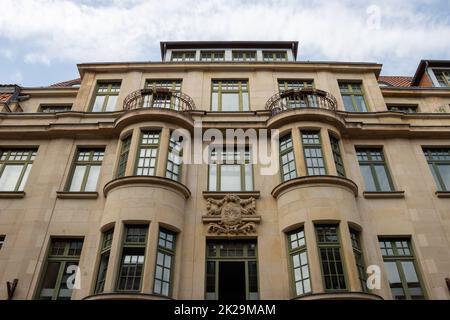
column 6, row 53
column 115, row 30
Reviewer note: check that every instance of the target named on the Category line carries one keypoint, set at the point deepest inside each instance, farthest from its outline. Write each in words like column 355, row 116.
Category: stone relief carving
column 231, row 215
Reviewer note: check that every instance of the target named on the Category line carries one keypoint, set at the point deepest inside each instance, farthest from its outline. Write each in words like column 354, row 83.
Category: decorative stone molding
column 384, row 195
column 231, row 216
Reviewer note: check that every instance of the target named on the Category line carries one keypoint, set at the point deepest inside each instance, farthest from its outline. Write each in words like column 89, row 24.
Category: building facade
column 97, row 201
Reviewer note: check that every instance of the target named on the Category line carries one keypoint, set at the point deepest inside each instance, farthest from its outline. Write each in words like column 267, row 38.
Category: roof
column 396, row 81
column 165, row 45
column 66, row 84
column 423, row 65
column 5, row 97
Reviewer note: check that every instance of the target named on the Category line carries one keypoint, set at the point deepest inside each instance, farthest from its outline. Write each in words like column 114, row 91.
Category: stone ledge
column 443, row 194
column 145, row 181
column 76, row 195
column 340, row 296
column 313, row 181
column 384, row 195
column 12, row 194
column 222, row 194
column 126, row 296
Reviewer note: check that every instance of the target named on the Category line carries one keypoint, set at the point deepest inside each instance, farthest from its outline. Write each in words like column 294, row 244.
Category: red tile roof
column 4, row 97
column 396, row 81
column 66, row 84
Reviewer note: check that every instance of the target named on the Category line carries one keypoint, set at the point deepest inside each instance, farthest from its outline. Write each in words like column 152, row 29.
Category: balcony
column 159, row 98
column 301, row 98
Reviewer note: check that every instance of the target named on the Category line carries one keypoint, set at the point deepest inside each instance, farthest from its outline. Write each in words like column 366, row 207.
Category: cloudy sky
column 43, row 40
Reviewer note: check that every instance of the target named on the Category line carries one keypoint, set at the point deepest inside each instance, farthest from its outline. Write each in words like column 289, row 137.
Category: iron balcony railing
column 301, row 98
column 159, row 98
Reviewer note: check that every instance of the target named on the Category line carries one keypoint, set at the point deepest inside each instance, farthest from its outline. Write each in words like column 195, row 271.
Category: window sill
column 443, row 194
column 384, row 194
column 12, row 194
column 76, row 195
column 221, row 194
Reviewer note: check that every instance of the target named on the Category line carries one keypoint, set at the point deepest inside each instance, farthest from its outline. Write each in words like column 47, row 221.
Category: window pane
column 10, row 177
column 77, row 178
column 91, row 184
column 348, row 103
column 25, row 177
column 382, row 178
column 409, row 271
column 444, row 171
column 111, row 105
column 245, row 101
column 98, row 104
column 215, row 101
column 248, row 177
column 230, row 178
column 230, row 102
column 368, row 178
column 212, row 177
column 361, row 104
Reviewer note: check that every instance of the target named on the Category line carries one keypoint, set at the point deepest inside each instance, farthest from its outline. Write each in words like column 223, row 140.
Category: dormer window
column 274, row 56
column 182, row 56
column 244, row 55
column 212, row 56
column 443, row 77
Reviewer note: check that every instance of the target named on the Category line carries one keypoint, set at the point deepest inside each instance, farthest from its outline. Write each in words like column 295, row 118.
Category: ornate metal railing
column 160, row 98
column 301, row 98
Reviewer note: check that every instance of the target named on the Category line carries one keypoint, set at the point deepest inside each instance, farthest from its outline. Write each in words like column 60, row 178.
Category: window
column 179, row 56
column 353, row 96
column 287, row 158
column 230, row 95
column 274, row 55
column 148, row 153
column 2, row 241
column 132, row 260
column 104, row 259
column 401, row 269
column 86, row 170
column 162, row 100
column 54, row 108
column 244, row 55
column 402, row 108
column 212, row 56
column 330, row 257
column 164, row 262
column 374, row 170
column 284, row 85
column 230, row 170
column 359, row 258
column 106, row 97
column 123, row 158
column 312, row 148
column 62, row 263
column 15, row 166
column 174, row 160
column 339, row 163
column 299, row 262
column 443, row 77
column 439, row 163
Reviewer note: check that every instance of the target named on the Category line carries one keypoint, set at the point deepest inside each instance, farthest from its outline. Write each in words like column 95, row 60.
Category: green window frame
column 174, row 160
column 230, row 95
column 337, row 156
column 355, row 237
column 401, row 269
column 162, row 100
column 313, row 153
column 212, row 56
column 49, row 108
column 374, row 170
column 85, row 170
column 353, row 96
column 63, row 253
column 132, row 259
column 331, row 261
column 182, row 56
column 274, row 56
column 228, row 167
column 165, row 260
column 443, row 77
column 244, row 56
column 439, row 162
column 105, row 251
column 148, row 150
column 299, row 262
column 297, row 84
column 287, row 158
column 2, row 241
column 15, row 167
column 229, row 250
column 123, row 157
column 406, row 108
column 105, row 98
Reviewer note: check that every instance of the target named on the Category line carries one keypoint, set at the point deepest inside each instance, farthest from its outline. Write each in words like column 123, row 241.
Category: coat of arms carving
column 231, row 216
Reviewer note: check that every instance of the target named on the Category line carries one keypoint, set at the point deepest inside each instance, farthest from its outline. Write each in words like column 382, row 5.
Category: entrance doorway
column 231, row 270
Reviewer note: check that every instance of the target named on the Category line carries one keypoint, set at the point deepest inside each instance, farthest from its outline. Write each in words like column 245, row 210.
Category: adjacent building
column 97, row 201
